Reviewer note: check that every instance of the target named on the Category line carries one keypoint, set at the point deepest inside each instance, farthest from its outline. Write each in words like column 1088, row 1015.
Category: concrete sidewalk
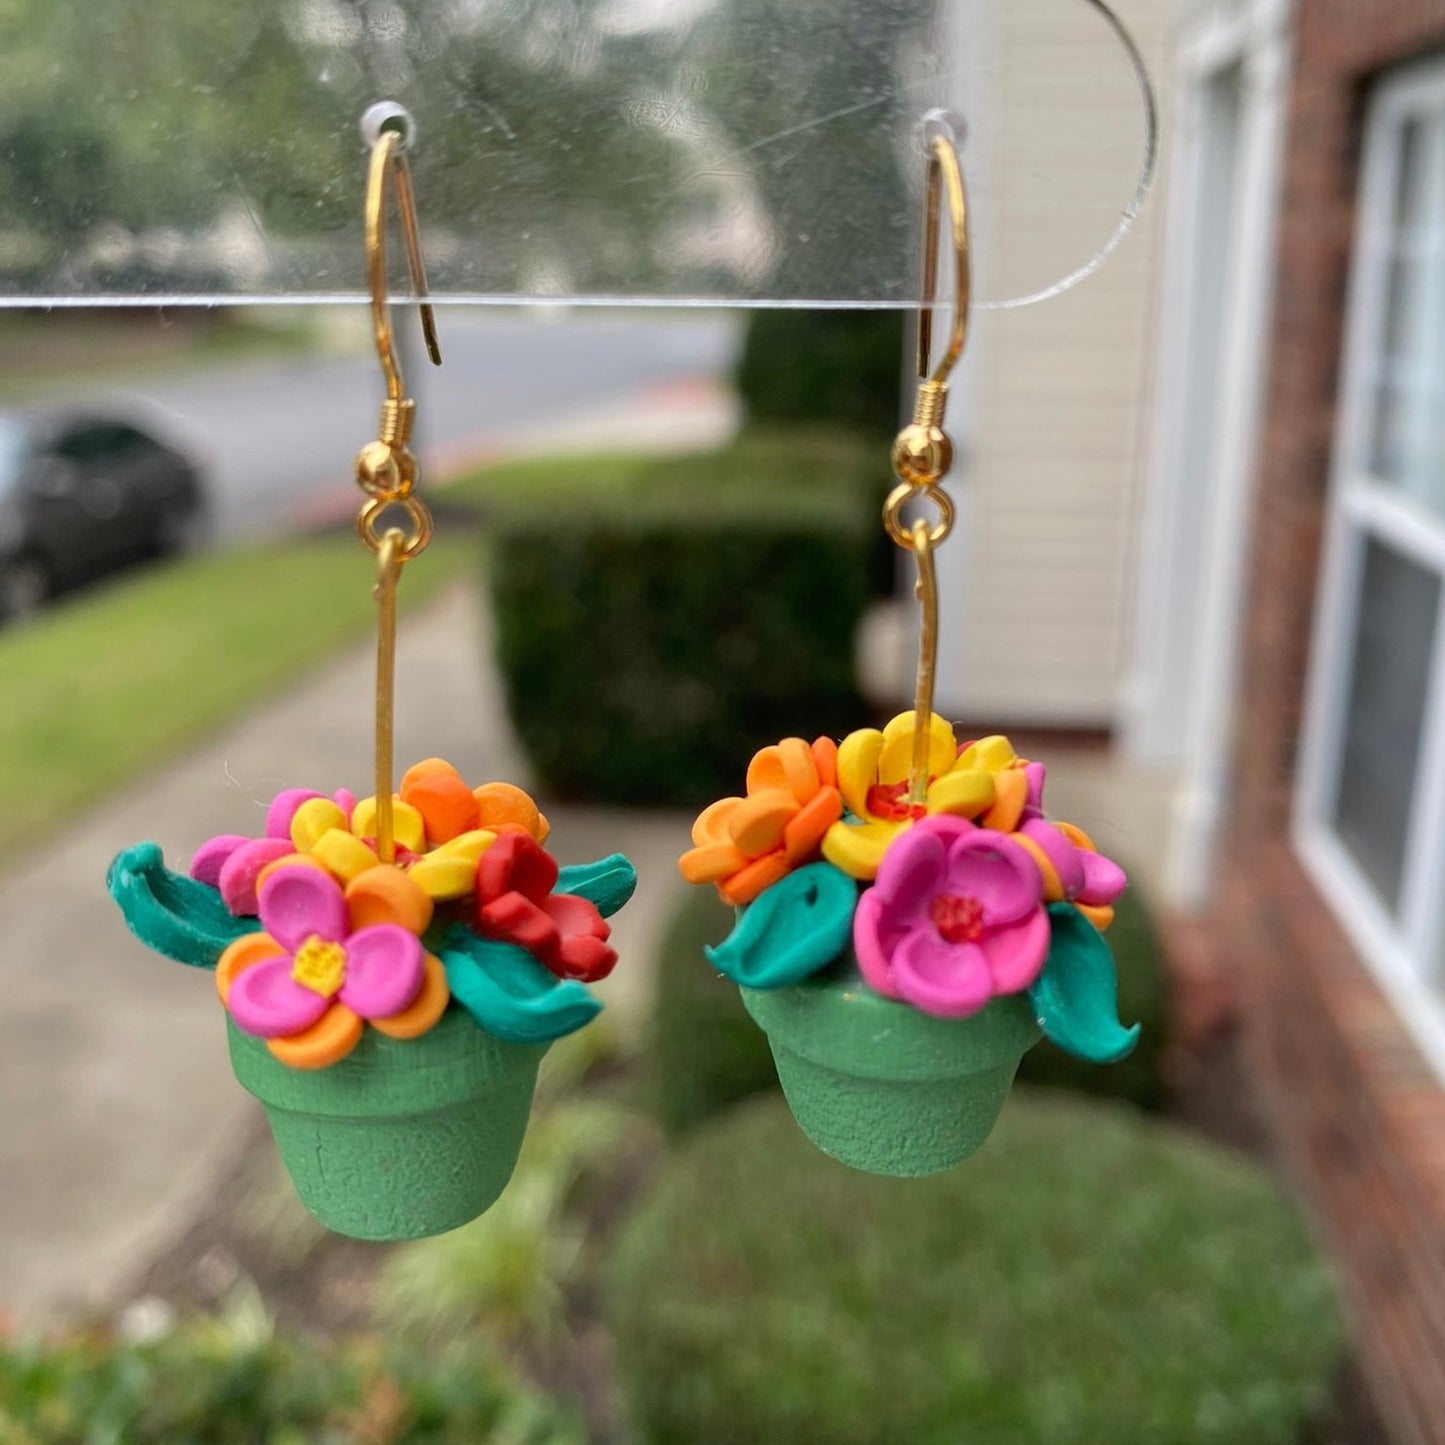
column 116, row 1097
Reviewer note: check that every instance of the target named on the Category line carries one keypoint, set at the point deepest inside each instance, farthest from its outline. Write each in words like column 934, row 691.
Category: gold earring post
column 385, row 468
column 923, row 451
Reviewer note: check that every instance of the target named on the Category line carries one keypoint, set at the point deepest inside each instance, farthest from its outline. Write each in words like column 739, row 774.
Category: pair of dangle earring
column 393, row 967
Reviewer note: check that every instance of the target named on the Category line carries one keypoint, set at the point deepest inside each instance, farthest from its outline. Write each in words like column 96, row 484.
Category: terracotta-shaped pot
column 882, row 1087
column 402, row 1138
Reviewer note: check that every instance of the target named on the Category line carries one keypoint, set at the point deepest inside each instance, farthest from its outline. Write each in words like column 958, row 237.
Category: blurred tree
column 598, row 137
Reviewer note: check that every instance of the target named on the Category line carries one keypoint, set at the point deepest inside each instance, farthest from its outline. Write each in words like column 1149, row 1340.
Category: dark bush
column 655, row 631
column 839, row 367
column 706, row 1052
column 207, row 1383
column 830, row 366
column 1143, row 998
column 1090, row 1277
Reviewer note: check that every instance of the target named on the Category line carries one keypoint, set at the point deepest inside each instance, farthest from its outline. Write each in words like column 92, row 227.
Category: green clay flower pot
column 884, row 1088
column 402, row 1138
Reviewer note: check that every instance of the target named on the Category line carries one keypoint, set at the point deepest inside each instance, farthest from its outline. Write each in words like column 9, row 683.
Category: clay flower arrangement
column 389, row 1016
column 903, row 953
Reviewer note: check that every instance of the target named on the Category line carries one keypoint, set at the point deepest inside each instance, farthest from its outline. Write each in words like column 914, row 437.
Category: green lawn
column 119, row 679
column 43, row 351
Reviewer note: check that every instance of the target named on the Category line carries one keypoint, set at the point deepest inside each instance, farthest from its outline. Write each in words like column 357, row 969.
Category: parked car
column 81, row 496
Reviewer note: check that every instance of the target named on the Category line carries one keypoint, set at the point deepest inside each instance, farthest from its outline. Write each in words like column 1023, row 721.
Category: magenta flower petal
column 345, row 799
column 992, row 868
column 283, row 809
column 266, row 1001
column 211, row 857
column 384, row 970
column 1103, row 881
column 911, row 872
column 1016, row 954
column 238, row 875
column 299, row 901
column 868, row 945
column 1034, row 797
column 950, row 980
column 1067, row 860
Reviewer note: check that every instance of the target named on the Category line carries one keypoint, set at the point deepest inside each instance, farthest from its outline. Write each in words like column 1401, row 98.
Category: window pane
column 1389, row 683
column 1407, row 432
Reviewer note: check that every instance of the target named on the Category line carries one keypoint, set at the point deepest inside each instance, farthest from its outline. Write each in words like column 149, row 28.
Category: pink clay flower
column 375, row 971
column 955, row 918
column 1072, row 869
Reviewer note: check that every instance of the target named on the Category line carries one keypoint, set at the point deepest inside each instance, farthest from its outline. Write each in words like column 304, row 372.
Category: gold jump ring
column 900, row 496
column 413, row 542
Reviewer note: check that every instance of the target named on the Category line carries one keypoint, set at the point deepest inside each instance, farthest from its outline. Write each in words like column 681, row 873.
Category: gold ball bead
column 381, row 470
column 922, row 454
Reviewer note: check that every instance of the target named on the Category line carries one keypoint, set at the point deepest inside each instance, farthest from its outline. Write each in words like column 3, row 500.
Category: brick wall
column 1359, row 1115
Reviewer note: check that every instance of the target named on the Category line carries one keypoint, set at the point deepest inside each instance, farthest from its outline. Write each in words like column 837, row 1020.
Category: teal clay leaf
column 791, row 930
column 174, row 915
column 609, row 882
column 509, row 993
column 1076, row 998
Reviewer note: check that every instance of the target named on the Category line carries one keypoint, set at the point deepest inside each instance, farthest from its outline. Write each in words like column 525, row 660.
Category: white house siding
column 1037, row 582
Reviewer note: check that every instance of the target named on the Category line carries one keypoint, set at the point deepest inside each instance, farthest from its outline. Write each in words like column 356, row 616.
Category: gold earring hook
column 388, row 157
column 386, row 468
column 944, row 175
column 923, row 451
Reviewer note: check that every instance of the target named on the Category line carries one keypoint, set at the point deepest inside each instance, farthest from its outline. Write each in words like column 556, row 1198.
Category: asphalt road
column 277, row 436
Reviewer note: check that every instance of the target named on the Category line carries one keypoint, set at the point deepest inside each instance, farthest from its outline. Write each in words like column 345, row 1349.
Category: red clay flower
column 515, row 904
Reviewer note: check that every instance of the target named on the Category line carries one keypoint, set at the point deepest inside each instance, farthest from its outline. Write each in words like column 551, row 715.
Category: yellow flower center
column 319, row 966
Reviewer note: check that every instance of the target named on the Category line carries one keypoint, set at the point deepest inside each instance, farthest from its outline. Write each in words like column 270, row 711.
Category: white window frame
column 1404, row 953
column 1177, row 719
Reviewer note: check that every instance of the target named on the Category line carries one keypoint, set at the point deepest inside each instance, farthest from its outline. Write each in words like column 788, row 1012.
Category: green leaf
column 609, row 882
column 1076, row 998
column 174, row 915
column 791, row 930
column 509, row 993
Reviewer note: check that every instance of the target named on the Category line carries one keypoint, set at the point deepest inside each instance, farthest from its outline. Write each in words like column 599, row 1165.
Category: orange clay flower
column 745, row 845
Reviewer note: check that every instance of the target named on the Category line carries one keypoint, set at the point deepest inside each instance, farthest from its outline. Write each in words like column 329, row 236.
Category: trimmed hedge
column 706, row 1052
column 1090, row 1276
column 1143, row 998
column 838, row 366
column 656, row 630
column 802, row 368
column 205, row 1382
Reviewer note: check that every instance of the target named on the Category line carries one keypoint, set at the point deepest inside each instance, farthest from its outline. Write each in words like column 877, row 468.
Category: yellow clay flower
column 873, row 776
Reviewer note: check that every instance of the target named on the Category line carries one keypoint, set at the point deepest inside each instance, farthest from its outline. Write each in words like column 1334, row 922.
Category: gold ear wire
column 923, row 451
column 385, row 467
column 944, row 174
column 387, row 157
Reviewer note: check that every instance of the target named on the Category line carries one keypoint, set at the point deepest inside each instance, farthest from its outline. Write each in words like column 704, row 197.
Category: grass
column 121, row 678
column 40, row 351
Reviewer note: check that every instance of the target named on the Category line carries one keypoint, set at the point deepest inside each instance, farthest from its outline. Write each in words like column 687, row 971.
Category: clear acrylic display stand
column 626, row 152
